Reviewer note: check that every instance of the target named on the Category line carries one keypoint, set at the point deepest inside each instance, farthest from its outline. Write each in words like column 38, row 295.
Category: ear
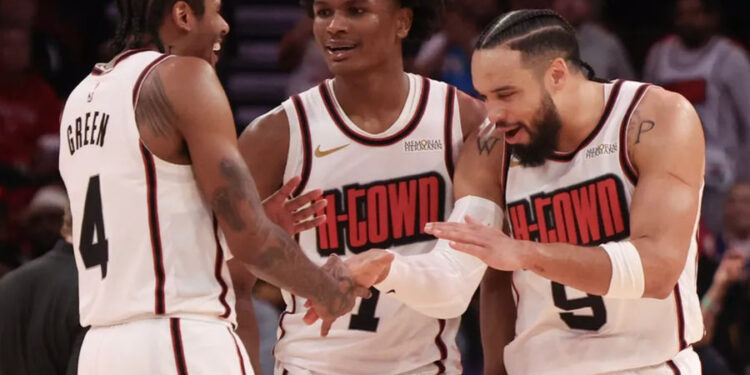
column 182, row 16
column 557, row 74
column 404, row 19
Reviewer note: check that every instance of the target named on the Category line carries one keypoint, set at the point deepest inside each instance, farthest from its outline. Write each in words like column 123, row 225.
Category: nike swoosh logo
column 392, row 291
column 321, row 153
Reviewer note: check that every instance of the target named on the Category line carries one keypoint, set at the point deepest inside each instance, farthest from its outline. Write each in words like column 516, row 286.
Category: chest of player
column 582, row 201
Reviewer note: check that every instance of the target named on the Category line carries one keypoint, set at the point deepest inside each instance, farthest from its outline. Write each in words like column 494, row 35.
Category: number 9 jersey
column 146, row 244
column 583, row 198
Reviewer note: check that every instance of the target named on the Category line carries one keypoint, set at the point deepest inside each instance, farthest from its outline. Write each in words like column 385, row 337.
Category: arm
column 441, row 283
column 198, row 109
column 497, row 317
column 663, row 212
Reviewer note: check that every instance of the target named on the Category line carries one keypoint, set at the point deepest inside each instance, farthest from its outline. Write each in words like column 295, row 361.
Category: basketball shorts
column 166, row 346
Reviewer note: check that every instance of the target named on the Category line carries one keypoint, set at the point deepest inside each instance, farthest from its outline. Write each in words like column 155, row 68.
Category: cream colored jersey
column 583, row 198
column 146, row 244
column 381, row 190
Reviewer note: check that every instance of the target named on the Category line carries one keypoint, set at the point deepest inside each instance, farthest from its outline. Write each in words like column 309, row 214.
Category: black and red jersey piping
column 142, row 76
column 565, row 157
column 304, row 128
column 369, row 141
column 179, row 350
column 153, row 227
column 218, row 267
column 97, row 71
column 440, row 363
column 449, row 103
column 627, row 167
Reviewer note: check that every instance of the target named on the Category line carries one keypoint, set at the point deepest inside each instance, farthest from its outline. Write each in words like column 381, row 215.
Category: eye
column 323, row 13
column 355, row 11
column 504, row 96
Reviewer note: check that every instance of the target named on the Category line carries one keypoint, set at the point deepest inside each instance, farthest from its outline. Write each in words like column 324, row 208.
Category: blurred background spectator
column 599, row 47
column 712, row 72
column 723, row 271
column 47, row 46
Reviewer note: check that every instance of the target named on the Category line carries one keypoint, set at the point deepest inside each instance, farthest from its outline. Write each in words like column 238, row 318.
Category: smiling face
column 517, row 103
column 358, row 35
column 206, row 34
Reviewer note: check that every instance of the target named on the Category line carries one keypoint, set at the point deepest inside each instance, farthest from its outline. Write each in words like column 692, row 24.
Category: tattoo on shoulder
column 644, row 126
column 154, row 110
column 486, row 144
column 235, row 189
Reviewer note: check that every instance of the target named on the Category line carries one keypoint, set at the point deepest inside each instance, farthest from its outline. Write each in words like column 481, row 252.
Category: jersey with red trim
column 584, row 198
column 146, row 243
column 381, row 191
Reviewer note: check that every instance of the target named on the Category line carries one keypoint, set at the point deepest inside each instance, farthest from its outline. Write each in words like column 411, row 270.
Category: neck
column 583, row 107
column 376, row 93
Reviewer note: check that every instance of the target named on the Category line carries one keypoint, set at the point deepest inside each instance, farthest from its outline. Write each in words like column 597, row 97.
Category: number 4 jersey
column 381, row 191
column 146, row 243
column 583, row 198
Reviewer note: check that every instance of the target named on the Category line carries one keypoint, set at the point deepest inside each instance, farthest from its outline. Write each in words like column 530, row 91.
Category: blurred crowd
column 694, row 47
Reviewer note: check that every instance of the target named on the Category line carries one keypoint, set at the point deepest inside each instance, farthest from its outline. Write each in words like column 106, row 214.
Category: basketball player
column 603, row 188
column 157, row 187
column 382, row 144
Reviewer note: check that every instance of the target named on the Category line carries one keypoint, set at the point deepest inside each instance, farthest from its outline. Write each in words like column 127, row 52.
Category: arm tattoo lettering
column 154, row 109
column 644, row 127
column 487, row 144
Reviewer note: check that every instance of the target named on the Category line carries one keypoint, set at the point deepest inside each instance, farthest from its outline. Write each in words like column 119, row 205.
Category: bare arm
column 198, row 109
column 497, row 318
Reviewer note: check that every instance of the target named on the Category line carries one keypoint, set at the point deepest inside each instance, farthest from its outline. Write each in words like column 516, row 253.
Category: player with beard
column 601, row 185
column 382, row 144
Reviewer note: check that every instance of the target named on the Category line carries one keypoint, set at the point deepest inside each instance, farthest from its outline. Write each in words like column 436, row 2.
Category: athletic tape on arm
column 628, row 281
column 440, row 283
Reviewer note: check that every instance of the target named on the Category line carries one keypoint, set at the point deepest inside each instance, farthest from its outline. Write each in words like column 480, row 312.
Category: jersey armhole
column 299, row 154
column 625, row 163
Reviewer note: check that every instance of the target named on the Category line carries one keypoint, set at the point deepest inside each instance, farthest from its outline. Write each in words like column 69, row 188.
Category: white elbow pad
column 441, row 283
column 627, row 280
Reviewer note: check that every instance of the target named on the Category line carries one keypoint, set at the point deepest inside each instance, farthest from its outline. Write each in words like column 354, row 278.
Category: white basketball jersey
column 146, row 243
column 381, row 191
column 697, row 75
column 583, row 198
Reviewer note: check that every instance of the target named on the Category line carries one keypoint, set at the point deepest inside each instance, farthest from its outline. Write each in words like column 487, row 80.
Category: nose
column 224, row 27
column 497, row 114
column 337, row 23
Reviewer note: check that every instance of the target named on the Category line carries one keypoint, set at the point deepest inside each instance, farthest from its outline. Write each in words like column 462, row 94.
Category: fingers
column 460, row 234
column 326, row 327
column 302, row 200
column 286, row 190
column 309, row 224
column 308, row 211
column 362, row 292
column 310, row 317
column 480, row 252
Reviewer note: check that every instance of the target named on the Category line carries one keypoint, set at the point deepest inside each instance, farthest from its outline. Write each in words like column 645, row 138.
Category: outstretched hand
column 297, row 214
column 489, row 244
column 360, row 272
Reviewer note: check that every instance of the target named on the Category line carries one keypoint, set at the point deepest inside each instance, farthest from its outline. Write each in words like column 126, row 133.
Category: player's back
column 146, row 244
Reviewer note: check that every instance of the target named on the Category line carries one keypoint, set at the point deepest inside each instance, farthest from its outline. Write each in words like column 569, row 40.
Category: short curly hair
column 427, row 15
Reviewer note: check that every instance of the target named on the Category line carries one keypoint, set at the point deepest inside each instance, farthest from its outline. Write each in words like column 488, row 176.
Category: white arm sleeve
column 440, row 283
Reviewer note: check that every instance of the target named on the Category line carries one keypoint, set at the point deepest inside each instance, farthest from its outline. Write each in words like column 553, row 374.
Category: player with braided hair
column 159, row 196
column 601, row 187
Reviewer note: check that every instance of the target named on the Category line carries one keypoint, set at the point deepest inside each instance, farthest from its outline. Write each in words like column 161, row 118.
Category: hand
column 359, row 275
column 289, row 214
column 371, row 267
column 730, row 269
column 489, row 244
column 338, row 302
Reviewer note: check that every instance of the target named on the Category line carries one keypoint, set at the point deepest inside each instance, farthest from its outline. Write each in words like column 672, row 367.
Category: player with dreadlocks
column 382, row 144
column 158, row 189
column 602, row 184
